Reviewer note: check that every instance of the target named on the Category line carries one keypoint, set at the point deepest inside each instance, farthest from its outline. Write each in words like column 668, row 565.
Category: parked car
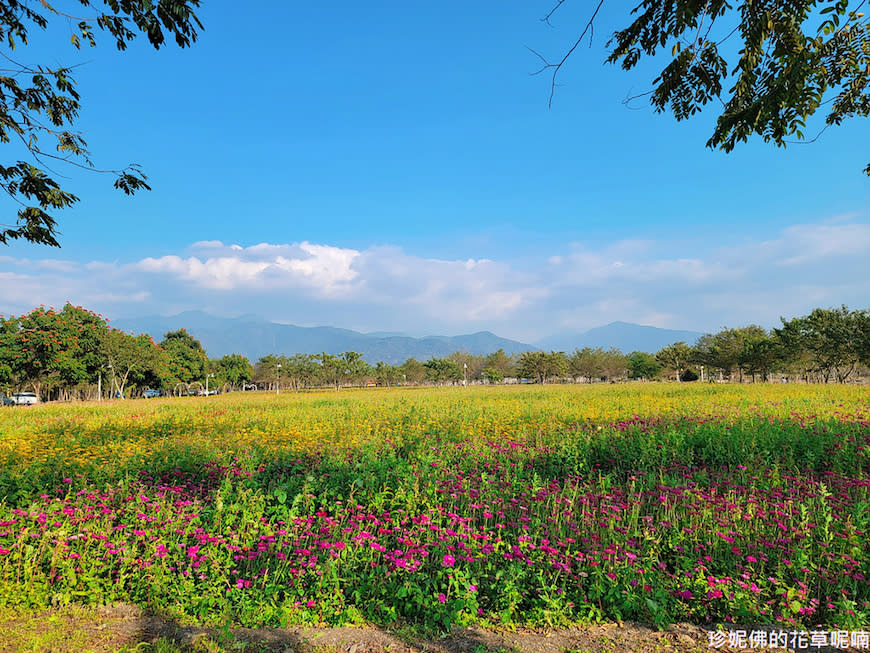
column 150, row 394
column 25, row 398
column 7, row 401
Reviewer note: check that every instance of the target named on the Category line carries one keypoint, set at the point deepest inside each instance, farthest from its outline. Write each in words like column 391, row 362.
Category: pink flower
column 448, row 561
column 441, row 598
column 751, row 559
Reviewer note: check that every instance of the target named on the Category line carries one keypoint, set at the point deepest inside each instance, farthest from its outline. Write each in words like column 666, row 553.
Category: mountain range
column 625, row 336
column 255, row 337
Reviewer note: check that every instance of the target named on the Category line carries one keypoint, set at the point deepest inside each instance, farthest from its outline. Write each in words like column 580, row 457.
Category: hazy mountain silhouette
column 254, row 337
column 625, row 336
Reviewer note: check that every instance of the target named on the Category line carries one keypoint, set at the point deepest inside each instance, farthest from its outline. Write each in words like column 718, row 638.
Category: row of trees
column 74, row 353
column 826, row 345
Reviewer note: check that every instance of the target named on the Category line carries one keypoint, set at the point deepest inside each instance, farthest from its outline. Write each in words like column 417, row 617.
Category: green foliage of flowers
column 448, row 507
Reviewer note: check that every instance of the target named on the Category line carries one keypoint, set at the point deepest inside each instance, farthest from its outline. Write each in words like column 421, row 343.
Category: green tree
column 614, row 364
column 720, row 351
column 41, row 101
column 675, row 357
column 862, row 325
column 266, row 370
column 586, row 363
column 792, row 58
column 233, row 369
column 47, row 349
column 642, row 365
column 541, row 365
column 386, row 374
column 331, row 369
column 470, row 364
column 499, row 364
column 443, row 370
column 353, row 367
column 833, row 340
column 413, row 371
column 760, row 353
column 187, row 358
column 300, row 370
column 492, row 375
column 132, row 358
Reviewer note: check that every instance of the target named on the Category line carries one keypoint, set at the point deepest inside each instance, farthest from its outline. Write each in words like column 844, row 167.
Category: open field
column 439, row 508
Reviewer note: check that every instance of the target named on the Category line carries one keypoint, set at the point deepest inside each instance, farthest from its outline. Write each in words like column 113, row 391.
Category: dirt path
column 127, row 627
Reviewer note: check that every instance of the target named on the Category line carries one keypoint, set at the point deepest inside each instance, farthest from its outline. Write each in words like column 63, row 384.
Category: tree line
column 74, row 353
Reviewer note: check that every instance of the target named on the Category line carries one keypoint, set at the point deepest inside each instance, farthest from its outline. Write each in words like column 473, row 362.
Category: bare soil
column 130, row 628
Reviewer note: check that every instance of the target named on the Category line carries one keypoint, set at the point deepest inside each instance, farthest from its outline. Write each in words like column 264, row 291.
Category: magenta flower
column 441, row 597
column 448, row 561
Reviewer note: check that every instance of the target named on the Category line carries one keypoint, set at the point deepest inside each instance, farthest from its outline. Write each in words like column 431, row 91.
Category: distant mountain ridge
column 255, row 337
column 625, row 336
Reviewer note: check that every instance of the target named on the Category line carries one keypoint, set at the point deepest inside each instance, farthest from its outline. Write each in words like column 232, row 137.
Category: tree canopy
column 187, row 357
column 68, row 353
column 771, row 65
column 39, row 101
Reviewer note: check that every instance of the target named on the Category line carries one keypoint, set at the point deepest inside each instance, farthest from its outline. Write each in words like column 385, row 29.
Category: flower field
column 519, row 505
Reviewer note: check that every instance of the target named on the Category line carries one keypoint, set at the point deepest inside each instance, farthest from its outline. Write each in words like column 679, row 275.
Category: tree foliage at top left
column 39, row 104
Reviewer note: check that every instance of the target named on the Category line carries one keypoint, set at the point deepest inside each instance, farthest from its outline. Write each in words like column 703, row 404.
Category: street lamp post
column 278, row 379
column 206, row 382
column 465, row 374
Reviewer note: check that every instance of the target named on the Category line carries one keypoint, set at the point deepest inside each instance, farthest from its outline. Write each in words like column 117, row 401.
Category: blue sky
column 397, row 168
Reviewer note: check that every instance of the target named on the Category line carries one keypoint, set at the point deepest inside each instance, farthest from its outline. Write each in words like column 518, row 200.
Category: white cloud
column 384, row 288
column 319, row 267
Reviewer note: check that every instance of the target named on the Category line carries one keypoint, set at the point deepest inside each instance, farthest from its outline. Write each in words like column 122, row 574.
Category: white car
column 25, row 398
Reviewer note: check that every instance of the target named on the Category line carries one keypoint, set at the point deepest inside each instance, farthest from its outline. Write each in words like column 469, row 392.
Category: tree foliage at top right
column 793, row 57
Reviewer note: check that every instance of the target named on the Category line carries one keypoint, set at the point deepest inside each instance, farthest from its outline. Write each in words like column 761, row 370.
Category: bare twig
column 546, row 19
column 590, row 28
column 812, row 140
column 631, row 98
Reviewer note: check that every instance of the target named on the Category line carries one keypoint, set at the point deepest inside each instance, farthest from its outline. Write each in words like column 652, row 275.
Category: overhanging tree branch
column 795, row 57
column 37, row 101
